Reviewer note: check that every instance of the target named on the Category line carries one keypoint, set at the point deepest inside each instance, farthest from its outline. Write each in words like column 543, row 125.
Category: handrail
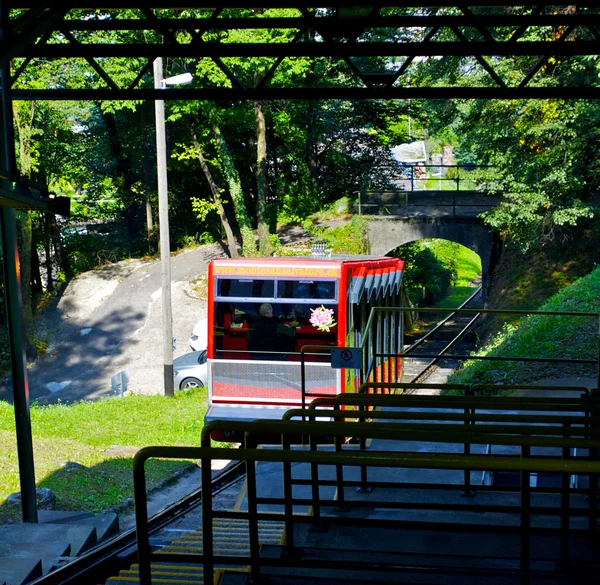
column 402, row 310
column 469, row 388
column 531, row 421
column 303, row 351
column 450, row 402
column 526, row 464
column 390, row 431
column 469, row 403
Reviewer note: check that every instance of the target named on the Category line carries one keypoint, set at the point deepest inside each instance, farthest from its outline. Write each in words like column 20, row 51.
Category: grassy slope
column 102, row 437
column 467, row 266
column 557, row 277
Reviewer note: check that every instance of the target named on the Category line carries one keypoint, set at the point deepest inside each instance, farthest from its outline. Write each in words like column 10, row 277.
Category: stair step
column 106, row 525
column 131, row 580
column 47, row 552
column 230, row 537
column 81, row 538
column 61, row 516
column 179, row 575
column 18, row 571
column 236, row 579
column 198, row 550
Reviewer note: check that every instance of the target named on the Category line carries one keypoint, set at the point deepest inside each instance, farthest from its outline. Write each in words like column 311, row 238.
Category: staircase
column 29, row 551
column 230, row 538
column 341, row 554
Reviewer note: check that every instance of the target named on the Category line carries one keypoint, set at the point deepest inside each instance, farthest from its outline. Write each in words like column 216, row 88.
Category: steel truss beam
column 216, row 94
column 378, row 45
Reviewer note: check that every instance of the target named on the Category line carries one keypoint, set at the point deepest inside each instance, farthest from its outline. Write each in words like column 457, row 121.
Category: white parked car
column 199, row 337
column 190, row 370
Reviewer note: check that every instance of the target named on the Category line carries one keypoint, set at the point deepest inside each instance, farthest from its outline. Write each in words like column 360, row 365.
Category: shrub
column 426, row 279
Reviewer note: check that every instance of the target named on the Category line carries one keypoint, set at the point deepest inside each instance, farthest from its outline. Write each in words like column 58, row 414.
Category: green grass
column 466, row 266
column 102, row 437
column 543, row 337
column 349, row 238
column 455, row 297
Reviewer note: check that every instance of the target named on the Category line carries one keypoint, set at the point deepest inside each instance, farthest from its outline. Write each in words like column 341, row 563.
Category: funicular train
column 263, row 311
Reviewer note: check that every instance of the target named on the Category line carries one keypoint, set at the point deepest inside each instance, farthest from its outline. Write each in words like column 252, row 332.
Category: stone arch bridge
column 396, row 218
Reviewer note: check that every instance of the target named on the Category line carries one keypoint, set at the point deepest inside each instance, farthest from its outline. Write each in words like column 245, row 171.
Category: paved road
column 110, row 320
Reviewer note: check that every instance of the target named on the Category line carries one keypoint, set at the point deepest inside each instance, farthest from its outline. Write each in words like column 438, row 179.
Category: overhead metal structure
column 375, row 51
column 382, row 51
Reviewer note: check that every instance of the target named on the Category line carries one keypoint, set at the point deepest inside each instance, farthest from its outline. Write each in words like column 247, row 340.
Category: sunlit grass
column 101, row 437
column 547, row 337
column 466, row 265
column 456, row 296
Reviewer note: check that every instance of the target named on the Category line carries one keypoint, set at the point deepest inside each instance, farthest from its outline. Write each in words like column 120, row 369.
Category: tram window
column 245, row 288
column 306, row 289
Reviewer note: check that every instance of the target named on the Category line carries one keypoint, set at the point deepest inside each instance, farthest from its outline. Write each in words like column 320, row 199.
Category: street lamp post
column 163, row 218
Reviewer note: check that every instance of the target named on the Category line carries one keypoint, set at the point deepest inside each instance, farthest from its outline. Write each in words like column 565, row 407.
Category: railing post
column 564, row 508
column 288, row 495
column 253, row 521
column 141, row 521
column 467, row 491
column 598, row 345
column 303, row 377
column 525, row 517
column 593, row 496
column 207, row 521
column 339, row 469
column 314, row 482
column 364, row 488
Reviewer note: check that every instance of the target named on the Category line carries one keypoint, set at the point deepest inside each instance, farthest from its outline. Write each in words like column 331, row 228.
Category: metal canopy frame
column 387, row 52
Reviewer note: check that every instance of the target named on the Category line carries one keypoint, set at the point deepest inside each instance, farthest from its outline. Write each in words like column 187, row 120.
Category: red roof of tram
column 315, row 266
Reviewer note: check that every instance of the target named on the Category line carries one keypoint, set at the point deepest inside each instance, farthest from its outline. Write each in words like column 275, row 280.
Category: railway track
column 430, row 356
column 109, row 558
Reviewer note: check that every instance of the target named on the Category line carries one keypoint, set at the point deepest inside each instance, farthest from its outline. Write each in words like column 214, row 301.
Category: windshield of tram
column 273, row 316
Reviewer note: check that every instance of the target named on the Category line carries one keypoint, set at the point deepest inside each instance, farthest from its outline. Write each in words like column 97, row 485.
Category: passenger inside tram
column 267, row 334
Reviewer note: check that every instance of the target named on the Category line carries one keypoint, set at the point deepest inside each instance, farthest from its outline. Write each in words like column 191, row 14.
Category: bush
column 426, row 279
column 90, row 250
column 350, row 238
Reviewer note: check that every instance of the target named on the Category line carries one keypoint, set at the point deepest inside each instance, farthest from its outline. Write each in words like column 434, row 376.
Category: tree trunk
column 24, row 116
column 148, row 186
column 36, row 276
column 264, row 241
column 237, row 196
column 48, row 254
column 311, row 153
column 214, row 189
column 25, row 258
column 61, row 256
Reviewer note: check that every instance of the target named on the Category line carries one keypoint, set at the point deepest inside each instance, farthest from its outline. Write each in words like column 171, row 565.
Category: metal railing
column 366, row 403
column 562, row 433
column 382, row 356
column 421, row 177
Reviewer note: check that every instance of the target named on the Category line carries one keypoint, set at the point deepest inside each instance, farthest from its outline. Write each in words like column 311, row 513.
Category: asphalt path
column 109, row 321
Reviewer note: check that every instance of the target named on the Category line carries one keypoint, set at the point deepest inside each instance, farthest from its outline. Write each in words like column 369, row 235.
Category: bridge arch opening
column 388, row 233
column 439, row 271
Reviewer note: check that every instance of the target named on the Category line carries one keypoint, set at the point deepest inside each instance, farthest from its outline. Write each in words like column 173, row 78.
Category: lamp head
column 178, row 79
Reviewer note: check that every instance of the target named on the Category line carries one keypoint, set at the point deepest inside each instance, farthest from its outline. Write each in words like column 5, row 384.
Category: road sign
column 119, row 382
column 347, row 357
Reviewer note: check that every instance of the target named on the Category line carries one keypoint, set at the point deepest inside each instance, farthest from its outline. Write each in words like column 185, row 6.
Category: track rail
column 452, row 325
column 108, row 558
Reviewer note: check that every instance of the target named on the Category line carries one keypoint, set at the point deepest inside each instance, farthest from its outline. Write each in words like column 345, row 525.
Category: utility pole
column 163, row 218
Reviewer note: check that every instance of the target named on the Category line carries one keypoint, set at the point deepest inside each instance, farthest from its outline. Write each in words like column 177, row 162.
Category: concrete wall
column 387, row 233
